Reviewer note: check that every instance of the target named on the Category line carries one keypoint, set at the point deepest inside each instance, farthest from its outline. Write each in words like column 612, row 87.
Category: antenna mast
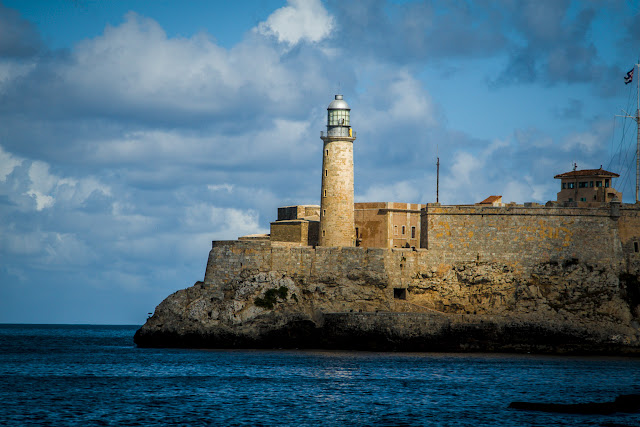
column 438, row 180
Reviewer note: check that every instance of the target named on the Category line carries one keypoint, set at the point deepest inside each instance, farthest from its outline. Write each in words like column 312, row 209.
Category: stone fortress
column 490, row 276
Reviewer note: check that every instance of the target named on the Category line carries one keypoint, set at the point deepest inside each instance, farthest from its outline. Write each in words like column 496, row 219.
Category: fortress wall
column 629, row 230
column 228, row 258
column 525, row 236
column 393, row 267
column 522, row 237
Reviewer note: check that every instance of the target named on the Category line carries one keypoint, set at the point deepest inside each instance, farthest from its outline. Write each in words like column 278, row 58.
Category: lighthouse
column 336, row 198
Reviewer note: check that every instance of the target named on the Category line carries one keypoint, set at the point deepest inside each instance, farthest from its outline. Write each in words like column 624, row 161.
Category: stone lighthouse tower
column 336, row 201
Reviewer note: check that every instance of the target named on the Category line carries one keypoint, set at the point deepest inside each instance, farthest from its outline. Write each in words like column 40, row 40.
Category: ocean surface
column 94, row 375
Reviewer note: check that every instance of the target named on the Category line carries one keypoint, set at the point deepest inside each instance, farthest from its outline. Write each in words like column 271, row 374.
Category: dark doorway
column 399, row 293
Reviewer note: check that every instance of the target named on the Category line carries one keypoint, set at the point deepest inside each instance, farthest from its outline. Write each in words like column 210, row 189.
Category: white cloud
column 46, row 189
column 221, row 187
column 225, row 222
column 8, row 163
column 472, row 176
column 400, row 101
column 43, row 201
column 582, row 141
column 279, row 139
column 135, row 72
column 526, row 190
column 300, row 20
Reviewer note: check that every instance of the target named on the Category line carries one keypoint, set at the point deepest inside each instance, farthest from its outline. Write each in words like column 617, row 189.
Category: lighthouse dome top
column 338, row 104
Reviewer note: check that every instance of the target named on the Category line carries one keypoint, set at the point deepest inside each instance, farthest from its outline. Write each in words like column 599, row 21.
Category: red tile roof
column 490, row 200
column 587, row 172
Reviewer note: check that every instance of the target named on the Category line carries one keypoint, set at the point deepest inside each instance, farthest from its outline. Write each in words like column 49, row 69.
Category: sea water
column 94, row 375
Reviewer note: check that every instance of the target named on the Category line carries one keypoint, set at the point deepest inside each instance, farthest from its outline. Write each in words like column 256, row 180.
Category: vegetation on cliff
column 556, row 307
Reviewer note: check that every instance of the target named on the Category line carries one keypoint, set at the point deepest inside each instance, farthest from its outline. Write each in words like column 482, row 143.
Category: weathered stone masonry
column 527, row 236
column 519, row 236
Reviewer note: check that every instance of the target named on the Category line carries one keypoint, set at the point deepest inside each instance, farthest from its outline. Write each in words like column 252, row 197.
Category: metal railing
column 353, row 134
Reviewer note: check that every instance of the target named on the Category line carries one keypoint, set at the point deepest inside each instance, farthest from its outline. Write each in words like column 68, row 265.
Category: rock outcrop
column 566, row 306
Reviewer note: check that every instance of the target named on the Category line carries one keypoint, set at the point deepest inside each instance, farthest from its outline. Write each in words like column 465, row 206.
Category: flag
column 629, row 77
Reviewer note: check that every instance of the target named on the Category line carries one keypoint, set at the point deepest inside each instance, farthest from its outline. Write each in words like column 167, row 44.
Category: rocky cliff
column 559, row 306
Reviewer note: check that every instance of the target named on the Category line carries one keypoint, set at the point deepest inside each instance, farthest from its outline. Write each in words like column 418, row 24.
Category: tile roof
column 587, row 172
column 490, row 200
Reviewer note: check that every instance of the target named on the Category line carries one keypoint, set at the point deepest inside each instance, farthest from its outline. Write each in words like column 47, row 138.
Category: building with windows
column 587, row 185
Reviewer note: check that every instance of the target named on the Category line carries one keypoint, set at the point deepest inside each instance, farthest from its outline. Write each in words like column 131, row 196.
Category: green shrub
column 271, row 297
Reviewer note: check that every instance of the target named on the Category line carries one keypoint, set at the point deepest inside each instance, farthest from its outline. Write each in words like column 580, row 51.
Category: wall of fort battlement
column 228, row 260
column 517, row 236
column 525, row 236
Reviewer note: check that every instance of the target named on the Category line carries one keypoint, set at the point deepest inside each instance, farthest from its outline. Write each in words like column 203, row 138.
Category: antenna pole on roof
column 438, row 180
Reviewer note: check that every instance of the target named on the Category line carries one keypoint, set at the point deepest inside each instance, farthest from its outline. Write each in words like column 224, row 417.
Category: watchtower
column 336, row 199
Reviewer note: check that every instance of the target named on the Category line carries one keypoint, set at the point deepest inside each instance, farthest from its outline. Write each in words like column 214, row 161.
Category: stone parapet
column 528, row 235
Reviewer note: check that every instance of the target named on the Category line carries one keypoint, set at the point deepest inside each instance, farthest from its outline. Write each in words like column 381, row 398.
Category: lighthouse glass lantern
column 338, row 117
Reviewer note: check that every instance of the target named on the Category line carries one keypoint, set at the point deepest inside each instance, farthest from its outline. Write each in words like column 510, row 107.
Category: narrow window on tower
column 326, row 152
column 325, row 172
column 395, row 230
column 635, row 246
column 325, row 193
column 322, row 233
column 403, row 228
column 413, row 232
column 324, row 212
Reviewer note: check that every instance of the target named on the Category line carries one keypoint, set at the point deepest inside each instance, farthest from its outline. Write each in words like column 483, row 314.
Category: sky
column 132, row 134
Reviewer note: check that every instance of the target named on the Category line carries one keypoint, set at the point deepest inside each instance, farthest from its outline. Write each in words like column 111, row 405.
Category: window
column 590, row 184
column 325, row 193
column 325, row 172
column 635, row 246
column 395, row 229
column 571, row 184
column 324, row 212
column 399, row 293
column 570, row 199
column 598, row 183
column 583, row 199
column 322, row 233
column 403, row 228
column 564, row 185
column 326, row 152
column 413, row 232
column 606, row 183
column 583, row 184
column 357, row 232
column 338, row 117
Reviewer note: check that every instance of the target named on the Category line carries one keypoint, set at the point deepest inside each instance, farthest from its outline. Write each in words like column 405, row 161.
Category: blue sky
column 134, row 133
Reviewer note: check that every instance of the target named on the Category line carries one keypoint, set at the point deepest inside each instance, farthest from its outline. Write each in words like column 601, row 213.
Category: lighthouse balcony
column 339, row 131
